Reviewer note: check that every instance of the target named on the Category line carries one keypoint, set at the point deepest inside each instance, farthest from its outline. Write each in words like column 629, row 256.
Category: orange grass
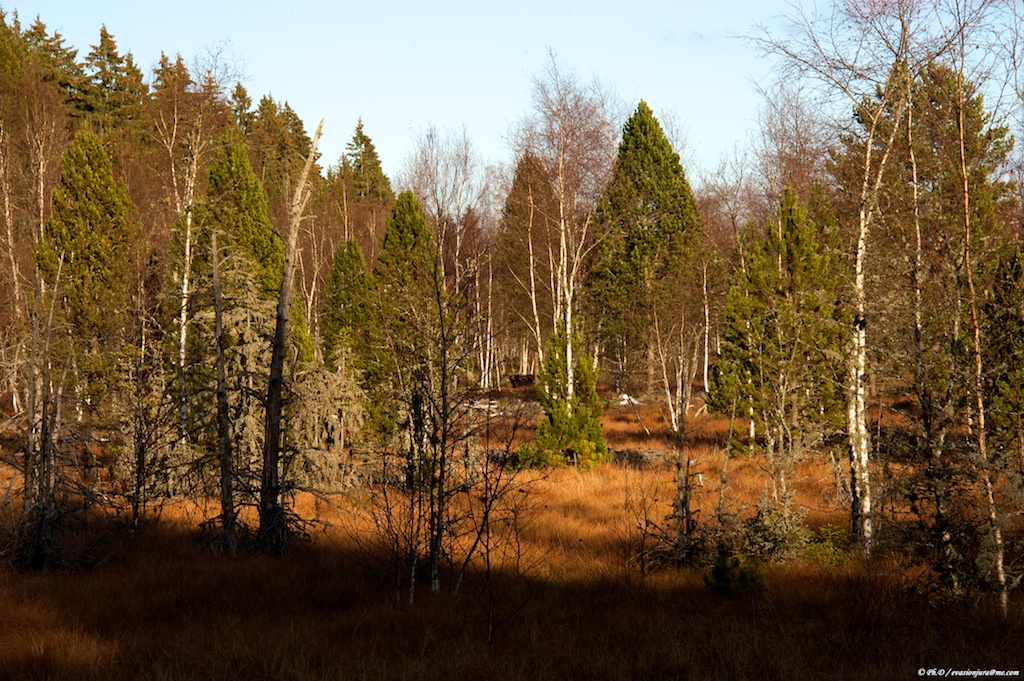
column 160, row 607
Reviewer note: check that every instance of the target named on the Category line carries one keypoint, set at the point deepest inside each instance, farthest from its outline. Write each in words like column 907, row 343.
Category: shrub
column 776, row 532
column 732, row 577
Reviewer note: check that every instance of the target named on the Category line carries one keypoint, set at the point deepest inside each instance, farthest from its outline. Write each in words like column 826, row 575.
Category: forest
column 269, row 415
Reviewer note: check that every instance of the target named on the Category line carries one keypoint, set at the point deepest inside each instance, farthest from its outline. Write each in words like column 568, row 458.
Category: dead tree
column 273, row 530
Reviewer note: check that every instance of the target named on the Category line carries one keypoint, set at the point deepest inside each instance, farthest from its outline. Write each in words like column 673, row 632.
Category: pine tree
column 782, row 340
column 236, row 237
column 1004, row 345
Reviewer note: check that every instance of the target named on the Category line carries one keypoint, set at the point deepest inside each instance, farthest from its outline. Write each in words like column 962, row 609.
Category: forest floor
column 578, row 605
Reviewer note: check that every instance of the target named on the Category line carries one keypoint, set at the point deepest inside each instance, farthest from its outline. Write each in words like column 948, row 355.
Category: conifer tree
column 361, row 194
column 422, row 343
column 368, row 178
column 403, row 276
column 527, row 228
column 88, row 241
column 237, row 204
column 1004, row 345
column 116, row 93
column 235, row 231
column 59, row 65
column 346, row 311
column 650, row 222
column 570, row 432
column 782, row 340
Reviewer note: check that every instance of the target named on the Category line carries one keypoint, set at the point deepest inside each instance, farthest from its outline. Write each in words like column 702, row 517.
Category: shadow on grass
column 160, row 608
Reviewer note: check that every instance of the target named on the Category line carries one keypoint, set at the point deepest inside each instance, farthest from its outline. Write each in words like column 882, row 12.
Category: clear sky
column 403, row 65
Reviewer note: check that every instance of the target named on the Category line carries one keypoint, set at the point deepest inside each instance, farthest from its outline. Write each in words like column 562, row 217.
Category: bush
column 829, row 545
column 570, row 432
column 777, row 531
column 732, row 577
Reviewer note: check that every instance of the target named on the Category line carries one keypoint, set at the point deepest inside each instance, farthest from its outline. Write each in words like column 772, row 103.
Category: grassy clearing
column 160, row 607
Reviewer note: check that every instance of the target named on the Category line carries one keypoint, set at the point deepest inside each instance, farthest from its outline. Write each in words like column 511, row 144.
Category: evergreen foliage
column 1004, row 315
column 237, row 204
column 782, row 339
column 571, row 431
column 408, row 256
column 367, row 176
column 278, row 144
column 89, row 240
column 347, row 313
column 650, row 220
column 59, row 65
column 732, row 577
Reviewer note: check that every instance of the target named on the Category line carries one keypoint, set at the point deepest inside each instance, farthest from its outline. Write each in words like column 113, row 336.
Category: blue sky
column 403, row 65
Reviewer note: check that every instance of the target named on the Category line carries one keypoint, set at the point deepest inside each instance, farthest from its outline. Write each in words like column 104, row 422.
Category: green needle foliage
column 649, row 218
column 347, row 306
column 237, row 203
column 570, row 432
column 88, row 243
column 783, row 338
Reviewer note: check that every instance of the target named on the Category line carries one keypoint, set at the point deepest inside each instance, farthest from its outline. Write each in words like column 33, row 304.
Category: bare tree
column 571, row 134
column 273, row 525
column 791, row 147
column 445, row 174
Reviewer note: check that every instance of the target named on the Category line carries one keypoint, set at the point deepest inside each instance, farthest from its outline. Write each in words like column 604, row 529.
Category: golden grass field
column 160, row 607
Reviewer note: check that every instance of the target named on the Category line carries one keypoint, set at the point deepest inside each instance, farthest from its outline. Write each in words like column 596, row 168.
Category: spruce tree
column 88, row 244
column 237, row 204
column 115, row 94
column 346, row 313
column 368, row 178
column 396, row 355
column 650, row 222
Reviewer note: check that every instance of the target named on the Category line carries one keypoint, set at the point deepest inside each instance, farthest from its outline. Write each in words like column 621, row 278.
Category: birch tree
column 185, row 121
column 860, row 54
column 570, row 133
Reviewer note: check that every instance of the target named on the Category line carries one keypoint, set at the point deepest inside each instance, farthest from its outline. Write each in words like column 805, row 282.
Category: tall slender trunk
column 8, row 217
column 183, row 328
column 229, row 536
column 533, row 287
column 857, row 361
column 273, row 524
column 979, row 393
column 707, row 328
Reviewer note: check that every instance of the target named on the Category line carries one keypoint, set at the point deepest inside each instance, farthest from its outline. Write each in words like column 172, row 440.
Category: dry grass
column 160, row 607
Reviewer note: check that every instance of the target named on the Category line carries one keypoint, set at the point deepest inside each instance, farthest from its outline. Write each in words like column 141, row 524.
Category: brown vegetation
column 160, row 606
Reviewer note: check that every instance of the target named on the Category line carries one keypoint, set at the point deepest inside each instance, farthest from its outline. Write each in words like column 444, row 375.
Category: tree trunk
column 272, row 535
column 229, row 536
column 979, row 393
